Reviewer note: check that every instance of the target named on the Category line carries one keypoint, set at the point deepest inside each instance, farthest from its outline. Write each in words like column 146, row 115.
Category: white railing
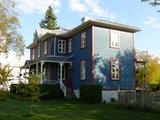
column 63, row 87
column 53, row 82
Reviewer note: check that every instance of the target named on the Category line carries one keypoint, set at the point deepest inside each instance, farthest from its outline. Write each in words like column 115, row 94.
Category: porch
column 53, row 71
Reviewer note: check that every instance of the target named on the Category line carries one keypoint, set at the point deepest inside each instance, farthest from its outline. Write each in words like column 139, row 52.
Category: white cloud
column 77, row 5
column 153, row 22
column 91, row 8
column 31, row 6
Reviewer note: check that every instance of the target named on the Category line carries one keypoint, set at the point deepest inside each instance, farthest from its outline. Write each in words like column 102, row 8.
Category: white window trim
column 111, row 39
column 83, row 40
column 70, row 45
column 63, row 72
column 45, row 47
column 116, row 71
column 83, row 69
column 61, row 46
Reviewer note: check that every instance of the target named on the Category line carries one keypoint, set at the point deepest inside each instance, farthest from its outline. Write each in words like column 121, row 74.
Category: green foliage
column 47, row 91
column 5, row 75
column 4, row 95
column 9, row 25
column 152, row 71
column 50, row 92
column 154, row 87
column 91, row 93
column 49, row 22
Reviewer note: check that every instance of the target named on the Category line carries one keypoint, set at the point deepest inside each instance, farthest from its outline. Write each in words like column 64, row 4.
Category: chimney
column 85, row 19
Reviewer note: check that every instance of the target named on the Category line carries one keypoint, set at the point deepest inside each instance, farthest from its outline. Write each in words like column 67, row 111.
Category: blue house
column 95, row 52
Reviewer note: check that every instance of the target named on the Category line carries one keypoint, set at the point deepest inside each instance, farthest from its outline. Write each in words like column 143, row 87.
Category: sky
column 70, row 12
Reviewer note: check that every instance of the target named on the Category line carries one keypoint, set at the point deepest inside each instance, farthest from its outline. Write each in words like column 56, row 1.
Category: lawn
column 69, row 110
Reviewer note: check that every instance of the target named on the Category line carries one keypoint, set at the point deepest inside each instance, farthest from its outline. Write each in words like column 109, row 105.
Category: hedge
column 91, row 93
column 47, row 91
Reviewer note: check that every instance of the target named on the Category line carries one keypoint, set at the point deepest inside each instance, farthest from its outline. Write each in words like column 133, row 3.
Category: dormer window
column 114, row 39
column 83, row 40
column 70, row 45
column 61, row 46
column 45, row 47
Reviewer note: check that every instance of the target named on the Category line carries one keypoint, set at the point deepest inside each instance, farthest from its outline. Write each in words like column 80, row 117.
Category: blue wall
column 81, row 54
column 102, row 57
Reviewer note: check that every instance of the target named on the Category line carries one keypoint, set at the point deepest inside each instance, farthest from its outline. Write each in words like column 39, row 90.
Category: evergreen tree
column 49, row 22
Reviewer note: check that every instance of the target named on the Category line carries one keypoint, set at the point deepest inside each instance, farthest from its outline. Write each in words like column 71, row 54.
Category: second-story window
column 38, row 50
column 33, row 53
column 115, row 70
column 83, row 40
column 70, row 45
column 62, row 46
column 45, row 47
column 83, row 70
column 114, row 39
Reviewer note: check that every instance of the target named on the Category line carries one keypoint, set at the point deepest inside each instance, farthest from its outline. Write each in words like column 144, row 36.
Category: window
column 33, row 53
column 45, row 47
column 62, row 46
column 83, row 40
column 114, row 39
column 70, row 45
column 83, row 70
column 38, row 50
column 63, row 72
column 115, row 71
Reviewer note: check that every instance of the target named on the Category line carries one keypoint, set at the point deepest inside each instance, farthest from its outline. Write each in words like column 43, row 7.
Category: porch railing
column 53, row 82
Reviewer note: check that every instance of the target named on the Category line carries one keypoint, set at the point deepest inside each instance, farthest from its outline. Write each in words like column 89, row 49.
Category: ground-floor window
column 115, row 69
column 63, row 72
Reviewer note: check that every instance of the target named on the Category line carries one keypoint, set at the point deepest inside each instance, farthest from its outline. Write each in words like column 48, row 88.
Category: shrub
column 50, row 92
column 154, row 87
column 47, row 91
column 4, row 94
column 91, row 93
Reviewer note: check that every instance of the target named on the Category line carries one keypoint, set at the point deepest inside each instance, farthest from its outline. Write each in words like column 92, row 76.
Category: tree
column 152, row 71
column 49, row 22
column 10, row 38
column 34, row 88
column 5, row 75
column 154, row 3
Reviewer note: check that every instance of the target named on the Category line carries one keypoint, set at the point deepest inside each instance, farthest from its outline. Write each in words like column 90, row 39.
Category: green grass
column 69, row 110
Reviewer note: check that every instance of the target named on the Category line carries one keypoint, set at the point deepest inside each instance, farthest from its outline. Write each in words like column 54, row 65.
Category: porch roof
column 48, row 59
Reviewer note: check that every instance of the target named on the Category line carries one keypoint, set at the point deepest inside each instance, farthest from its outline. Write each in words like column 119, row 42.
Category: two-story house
column 95, row 52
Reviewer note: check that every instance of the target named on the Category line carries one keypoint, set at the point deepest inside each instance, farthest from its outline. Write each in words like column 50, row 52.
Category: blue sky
column 70, row 12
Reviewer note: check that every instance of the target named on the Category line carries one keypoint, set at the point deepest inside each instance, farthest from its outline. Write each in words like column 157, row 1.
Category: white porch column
column 42, row 62
column 63, row 87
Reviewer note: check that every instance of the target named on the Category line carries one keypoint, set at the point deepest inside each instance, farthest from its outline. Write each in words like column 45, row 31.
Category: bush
column 4, row 94
column 154, row 87
column 91, row 93
column 47, row 91
column 50, row 92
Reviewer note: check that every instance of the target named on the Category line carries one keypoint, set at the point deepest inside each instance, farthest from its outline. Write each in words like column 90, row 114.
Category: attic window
column 114, row 39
